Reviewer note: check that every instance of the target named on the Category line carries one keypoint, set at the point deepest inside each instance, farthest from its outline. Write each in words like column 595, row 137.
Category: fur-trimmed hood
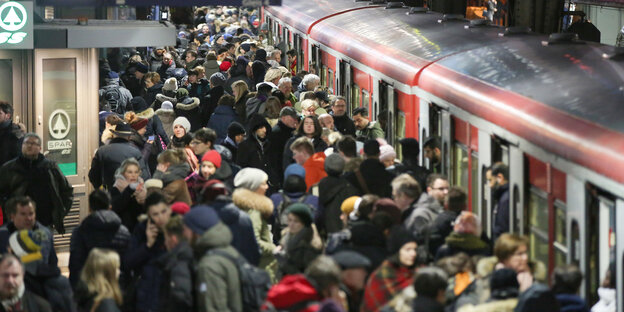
column 486, row 266
column 187, row 107
column 165, row 114
column 247, row 200
column 161, row 98
column 148, row 113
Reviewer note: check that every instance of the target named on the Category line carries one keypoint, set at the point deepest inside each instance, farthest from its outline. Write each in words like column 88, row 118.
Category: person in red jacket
column 313, row 163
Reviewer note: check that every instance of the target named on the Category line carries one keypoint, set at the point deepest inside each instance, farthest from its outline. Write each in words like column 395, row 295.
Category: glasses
column 195, row 142
column 32, row 143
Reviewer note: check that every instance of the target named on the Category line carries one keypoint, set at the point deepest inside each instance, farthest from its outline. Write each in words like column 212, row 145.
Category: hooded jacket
column 300, row 249
column 253, row 152
column 211, row 67
column 174, row 184
column 221, row 119
column 239, row 223
column 280, row 134
column 167, row 117
column 109, row 157
column 189, row 108
column 101, row 229
column 160, row 98
column 423, row 213
column 176, row 290
column 218, row 283
column 332, row 192
column 259, row 208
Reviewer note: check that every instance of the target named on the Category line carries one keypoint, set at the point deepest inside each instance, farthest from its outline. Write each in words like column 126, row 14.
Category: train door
column 465, row 149
column 345, row 89
column 387, row 107
column 577, row 227
column 436, row 122
column 66, row 78
column 14, row 87
column 315, row 60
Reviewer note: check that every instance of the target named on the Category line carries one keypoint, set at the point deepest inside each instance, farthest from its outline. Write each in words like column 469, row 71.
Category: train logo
column 13, row 17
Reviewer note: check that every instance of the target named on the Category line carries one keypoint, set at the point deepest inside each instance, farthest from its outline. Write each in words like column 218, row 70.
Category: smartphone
column 151, row 138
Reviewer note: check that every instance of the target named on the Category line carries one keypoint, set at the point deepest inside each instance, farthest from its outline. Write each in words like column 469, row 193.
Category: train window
column 324, row 76
column 330, row 80
column 365, row 102
column 606, row 237
column 460, row 163
column 355, row 98
column 538, row 225
column 435, row 120
column 561, row 249
column 474, row 183
column 399, row 125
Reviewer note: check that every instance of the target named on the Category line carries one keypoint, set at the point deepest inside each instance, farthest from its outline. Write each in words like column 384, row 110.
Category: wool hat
column 139, row 123
column 371, row 148
column 211, row 189
column 201, row 219
column 348, row 205
column 171, row 84
column 212, row 156
column 250, row 178
column 294, row 169
column 234, row 129
column 261, row 55
column 153, row 183
column 26, row 244
column 386, row 152
column 182, row 121
column 181, row 94
column 302, row 211
column 399, row 236
column 141, row 68
column 334, row 165
column 138, row 104
column 225, row 65
column 348, row 259
column 218, row 79
column 504, row 284
column 166, row 105
column 180, row 208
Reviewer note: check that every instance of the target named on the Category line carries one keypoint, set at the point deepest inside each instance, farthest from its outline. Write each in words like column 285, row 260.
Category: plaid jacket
column 384, row 283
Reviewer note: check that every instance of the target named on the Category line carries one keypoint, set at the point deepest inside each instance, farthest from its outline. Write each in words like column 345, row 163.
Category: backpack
column 112, row 100
column 255, row 282
column 282, row 220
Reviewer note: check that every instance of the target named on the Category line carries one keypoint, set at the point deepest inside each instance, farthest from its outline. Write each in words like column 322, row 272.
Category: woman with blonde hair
column 98, row 290
column 241, row 93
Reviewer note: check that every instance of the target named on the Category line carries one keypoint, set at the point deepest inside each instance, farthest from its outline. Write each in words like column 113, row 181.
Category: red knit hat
column 180, row 208
column 212, row 156
column 139, row 124
column 225, row 65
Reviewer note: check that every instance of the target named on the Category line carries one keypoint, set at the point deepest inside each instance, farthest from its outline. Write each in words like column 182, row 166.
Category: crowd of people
column 228, row 179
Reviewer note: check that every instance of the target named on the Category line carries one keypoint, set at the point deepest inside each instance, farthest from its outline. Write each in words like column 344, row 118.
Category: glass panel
column 538, row 226
column 399, row 132
column 324, row 76
column 59, row 109
column 460, row 159
column 355, row 102
column 6, row 76
column 365, row 101
column 474, row 183
column 330, row 81
column 560, row 223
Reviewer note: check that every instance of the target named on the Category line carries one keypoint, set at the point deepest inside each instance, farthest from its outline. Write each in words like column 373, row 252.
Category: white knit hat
column 250, row 178
column 171, row 84
column 182, row 121
column 386, row 152
column 167, row 105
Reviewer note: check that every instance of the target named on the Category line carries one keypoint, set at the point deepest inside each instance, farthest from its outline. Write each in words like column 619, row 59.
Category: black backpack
column 255, row 282
column 112, row 100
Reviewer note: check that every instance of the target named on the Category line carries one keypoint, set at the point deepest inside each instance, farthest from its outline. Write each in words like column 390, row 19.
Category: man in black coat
column 254, row 151
column 11, row 288
column 280, row 134
column 10, row 134
column 371, row 176
column 109, row 157
column 410, row 151
column 333, row 190
column 342, row 122
column 102, row 228
column 176, row 289
column 31, row 174
column 500, row 172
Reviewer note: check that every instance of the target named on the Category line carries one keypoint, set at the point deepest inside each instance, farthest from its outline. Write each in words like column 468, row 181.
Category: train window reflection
column 474, row 183
column 538, row 225
column 460, row 163
column 324, row 76
column 365, row 102
column 355, row 98
column 561, row 250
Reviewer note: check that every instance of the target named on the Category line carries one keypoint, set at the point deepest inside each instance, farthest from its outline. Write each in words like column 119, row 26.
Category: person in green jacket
column 366, row 129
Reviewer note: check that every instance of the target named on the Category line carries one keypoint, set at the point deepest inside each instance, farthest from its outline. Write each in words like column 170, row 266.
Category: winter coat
column 501, row 211
column 300, row 249
column 259, row 208
column 239, row 223
column 210, row 103
column 420, row 215
column 277, row 199
column 195, row 183
column 239, row 76
column 607, row 302
column 315, row 169
column 460, row 242
column 164, row 68
column 256, row 105
column 192, row 112
column 174, row 184
column 84, row 300
column 280, row 134
column 332, row 192
column 43, row 181
column 150, row 94
column 31, row 303
column 211, row 67
column 10, row 136
column 384, row 283
column 241, row 105
column 506, row 305
column 155, row 127
column 231, row 145
column 440, row 228
column 572, row 303
column 109, row 157
column 287, row 156
column 167, row 117
column 538, row 297
column 259, row 68
column 253, row 152
column 411, row 167
column 47, row 250
column 124, row 96
column 100, row 229
column 221, row 119
column 404, row 302
column 344, row 124
column 199, row 89
column 142, row 261
column 378, row 180
column 161, row 98
column 218, row 283
column 176, row 292
column 126, row 206
column 371, row 132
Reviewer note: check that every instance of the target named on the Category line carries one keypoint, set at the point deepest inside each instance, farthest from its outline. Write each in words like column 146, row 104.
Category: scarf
column 15, row 304
column 385, row 283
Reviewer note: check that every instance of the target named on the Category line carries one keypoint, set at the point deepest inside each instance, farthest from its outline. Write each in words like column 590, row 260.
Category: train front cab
column 567, row 217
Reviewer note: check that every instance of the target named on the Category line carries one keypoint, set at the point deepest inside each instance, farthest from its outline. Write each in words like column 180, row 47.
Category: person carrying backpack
column 113, row 97
column 225, row 281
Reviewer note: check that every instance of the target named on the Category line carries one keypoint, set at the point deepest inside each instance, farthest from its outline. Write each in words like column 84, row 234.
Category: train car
column 550, row 107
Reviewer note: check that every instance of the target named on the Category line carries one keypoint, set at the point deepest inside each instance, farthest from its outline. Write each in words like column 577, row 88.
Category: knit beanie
column 504, row 284
column 294, row 169
column 138, row 104
column 167, row 105
column 181, row 94
column 334, row 165
column 399, row 236
column 153, row 183
column 201, row 219
column 225, row 65
column 26, row 244
column 212, row 156
column 348, row 205
column 302, row 211
column 234, row 129
column 180, row 208
column 141, row 68
column 217, row 79
column 171, row 84
column 182, row 121
column 250, row 178
column 139, row 123
column 386, row 152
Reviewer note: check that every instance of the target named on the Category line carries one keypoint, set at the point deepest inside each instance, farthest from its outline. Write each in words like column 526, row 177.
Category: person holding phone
column 128, row 193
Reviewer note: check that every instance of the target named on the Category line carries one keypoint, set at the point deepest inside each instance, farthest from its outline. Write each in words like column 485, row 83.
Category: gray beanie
column 334, row 165
column 182, row 121
column 218, row 79
column 250, row 178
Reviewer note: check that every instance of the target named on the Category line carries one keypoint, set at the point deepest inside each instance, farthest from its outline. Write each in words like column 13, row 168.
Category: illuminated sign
column 16, row 27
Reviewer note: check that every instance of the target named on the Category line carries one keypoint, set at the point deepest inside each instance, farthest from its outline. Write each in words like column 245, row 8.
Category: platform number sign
column 16, row 25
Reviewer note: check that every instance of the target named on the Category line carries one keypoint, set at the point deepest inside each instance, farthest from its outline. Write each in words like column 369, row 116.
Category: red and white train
column 551, row 107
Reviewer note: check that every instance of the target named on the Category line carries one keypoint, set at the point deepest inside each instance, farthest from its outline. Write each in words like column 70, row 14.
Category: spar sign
column 16, row 27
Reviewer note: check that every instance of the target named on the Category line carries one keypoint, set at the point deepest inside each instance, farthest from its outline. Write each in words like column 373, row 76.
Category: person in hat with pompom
column 210, row 162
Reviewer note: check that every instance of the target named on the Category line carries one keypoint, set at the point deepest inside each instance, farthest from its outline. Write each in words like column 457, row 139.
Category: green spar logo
column 13, row 17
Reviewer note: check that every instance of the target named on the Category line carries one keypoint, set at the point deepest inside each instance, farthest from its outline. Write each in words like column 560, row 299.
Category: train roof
column 303, row 14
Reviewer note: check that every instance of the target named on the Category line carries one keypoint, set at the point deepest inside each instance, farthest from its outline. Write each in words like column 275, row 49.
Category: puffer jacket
column 218, row 284
column 259, row 208
column 190, row 109
column 109, row 157
column 176, row 289
column 239, row 223
column 221, row 119
column 174, row 186
column 100, row 229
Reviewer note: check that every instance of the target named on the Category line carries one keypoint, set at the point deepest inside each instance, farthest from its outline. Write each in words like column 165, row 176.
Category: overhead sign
column 59, row 124
column 147, row 3
column 16, row 25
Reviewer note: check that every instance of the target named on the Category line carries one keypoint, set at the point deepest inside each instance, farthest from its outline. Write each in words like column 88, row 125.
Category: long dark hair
column 318, row 129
